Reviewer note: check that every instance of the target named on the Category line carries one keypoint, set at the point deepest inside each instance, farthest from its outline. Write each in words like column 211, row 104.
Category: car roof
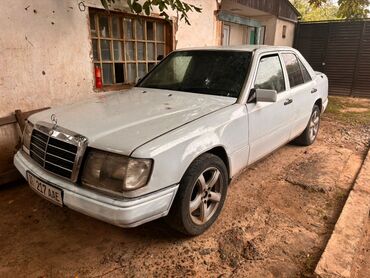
column 248, row 48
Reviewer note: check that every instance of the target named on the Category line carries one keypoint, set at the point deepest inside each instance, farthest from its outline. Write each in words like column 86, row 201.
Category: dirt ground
column 278, row 216
column 362, row 264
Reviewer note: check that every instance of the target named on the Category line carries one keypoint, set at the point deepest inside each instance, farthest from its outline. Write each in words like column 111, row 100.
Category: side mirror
column 264, row 95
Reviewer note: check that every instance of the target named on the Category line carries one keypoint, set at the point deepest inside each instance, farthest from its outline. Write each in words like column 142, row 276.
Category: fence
column 341, row 50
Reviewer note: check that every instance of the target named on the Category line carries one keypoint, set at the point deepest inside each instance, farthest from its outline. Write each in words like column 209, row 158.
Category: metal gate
column 341, row 50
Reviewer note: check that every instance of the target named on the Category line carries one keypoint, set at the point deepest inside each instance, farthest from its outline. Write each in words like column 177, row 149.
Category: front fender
column 175, row 151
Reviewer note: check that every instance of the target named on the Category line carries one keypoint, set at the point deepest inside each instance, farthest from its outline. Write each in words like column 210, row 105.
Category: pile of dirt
column 318, row 172
column 234, row 248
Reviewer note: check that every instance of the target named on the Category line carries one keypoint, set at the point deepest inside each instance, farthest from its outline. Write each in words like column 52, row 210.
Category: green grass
column 338, row 105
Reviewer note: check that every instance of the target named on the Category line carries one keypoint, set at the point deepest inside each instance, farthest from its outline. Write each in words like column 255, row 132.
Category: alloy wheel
column 314, row 125
column 206, row 196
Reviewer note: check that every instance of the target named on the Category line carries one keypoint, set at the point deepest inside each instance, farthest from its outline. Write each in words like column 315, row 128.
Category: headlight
column 26, row 139
column 115, row 173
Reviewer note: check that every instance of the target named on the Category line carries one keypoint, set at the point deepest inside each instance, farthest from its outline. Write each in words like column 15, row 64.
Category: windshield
column 208, row 72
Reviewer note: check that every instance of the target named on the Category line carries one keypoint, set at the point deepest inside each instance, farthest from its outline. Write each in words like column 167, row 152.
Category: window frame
column 95, row 14
column 300, row 64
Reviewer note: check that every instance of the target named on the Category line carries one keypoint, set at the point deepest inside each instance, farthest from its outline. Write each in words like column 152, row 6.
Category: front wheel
column 200, row 197
column 309, row 135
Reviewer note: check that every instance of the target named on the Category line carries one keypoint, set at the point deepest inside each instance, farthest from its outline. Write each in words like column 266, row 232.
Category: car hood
column 122, row 121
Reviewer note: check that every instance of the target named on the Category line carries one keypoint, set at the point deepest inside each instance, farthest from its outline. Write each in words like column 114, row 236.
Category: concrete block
column 344, row 244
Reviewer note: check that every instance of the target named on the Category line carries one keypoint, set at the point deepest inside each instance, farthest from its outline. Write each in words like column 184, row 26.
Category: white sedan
column 170, row 145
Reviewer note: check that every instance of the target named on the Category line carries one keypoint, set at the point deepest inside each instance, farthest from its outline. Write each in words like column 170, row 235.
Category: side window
column 306, row 75
column 270, row 74
column 294, row 70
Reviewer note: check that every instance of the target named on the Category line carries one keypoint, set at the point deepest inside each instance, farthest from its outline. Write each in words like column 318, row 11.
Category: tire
column 309, row 135
column 200, row 197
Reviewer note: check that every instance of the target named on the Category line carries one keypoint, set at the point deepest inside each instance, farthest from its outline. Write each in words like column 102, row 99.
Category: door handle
column 314, row 90
column 288, row 101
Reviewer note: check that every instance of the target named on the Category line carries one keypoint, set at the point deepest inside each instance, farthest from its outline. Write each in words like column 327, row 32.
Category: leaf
column 146, row 8
column 163, row 5
column 198, row 10
column 137, row 8
column 105, row 4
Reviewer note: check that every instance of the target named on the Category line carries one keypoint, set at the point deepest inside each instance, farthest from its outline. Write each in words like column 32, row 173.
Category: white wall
column 202, row 31
column 289, row 39
column 43, row 63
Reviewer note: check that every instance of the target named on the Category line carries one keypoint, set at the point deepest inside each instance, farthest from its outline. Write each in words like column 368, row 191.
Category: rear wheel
column 200, row 197
column 309, row 135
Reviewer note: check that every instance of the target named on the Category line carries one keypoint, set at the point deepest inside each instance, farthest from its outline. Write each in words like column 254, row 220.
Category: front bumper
column 128, row 212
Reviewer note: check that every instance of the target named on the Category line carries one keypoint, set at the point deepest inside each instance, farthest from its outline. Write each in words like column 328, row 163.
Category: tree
column 179, row 6
column 349, row 9
column 326, row 11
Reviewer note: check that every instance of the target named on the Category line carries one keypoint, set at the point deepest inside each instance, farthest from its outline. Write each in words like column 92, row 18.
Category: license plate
column 49, row 192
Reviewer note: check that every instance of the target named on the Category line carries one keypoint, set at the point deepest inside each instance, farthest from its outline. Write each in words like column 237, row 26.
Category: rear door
column 269, row 123
column 303, row 92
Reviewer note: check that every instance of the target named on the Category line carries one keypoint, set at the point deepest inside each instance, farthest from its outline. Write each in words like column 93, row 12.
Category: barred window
column 126, row 47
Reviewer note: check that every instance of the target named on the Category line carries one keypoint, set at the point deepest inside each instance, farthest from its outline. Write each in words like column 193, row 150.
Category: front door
column 269, row 122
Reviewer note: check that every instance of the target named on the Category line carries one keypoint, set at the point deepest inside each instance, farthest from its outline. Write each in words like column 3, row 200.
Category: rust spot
column 34, row 11
column 52, row 23
column 43, row 72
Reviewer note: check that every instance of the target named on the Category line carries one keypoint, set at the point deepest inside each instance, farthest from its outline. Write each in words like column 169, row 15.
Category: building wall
column 270, row 23
column 46, row 50
column 202, row 31
column 289, row 39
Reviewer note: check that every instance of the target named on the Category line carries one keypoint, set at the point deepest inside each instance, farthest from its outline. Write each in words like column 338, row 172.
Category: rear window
column 294, row 70
column 306, row 75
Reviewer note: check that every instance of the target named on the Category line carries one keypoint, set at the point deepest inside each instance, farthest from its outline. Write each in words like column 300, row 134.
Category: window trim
column 167, row 45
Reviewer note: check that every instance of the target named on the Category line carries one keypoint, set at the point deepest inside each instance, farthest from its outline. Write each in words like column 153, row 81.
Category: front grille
column 54, row 155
